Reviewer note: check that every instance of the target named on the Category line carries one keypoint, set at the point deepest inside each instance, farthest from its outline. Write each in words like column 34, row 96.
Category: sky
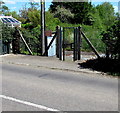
column 16, row 5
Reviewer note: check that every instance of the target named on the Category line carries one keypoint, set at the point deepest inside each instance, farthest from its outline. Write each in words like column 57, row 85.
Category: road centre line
column 27, row 103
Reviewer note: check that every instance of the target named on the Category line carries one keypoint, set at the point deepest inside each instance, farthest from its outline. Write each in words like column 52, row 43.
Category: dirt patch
column 111, row 66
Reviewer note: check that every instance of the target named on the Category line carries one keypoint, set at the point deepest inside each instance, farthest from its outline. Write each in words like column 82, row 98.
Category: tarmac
column 45, row 62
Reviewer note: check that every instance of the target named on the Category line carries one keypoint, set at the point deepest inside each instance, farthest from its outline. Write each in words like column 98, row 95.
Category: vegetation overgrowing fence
column 99, row 23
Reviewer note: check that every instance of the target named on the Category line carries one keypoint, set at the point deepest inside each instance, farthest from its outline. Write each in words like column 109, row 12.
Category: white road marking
column 27, row 103
column 4, row 55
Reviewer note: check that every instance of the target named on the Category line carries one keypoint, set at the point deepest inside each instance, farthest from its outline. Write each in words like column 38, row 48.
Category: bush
column 111, row 66
column 94, row 36
column 7, row 33
column 111, row 38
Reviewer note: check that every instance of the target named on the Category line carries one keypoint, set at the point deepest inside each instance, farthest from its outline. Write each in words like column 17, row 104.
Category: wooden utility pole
column 43, row 25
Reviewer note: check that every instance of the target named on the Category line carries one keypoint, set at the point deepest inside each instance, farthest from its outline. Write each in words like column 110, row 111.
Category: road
column 27, row 88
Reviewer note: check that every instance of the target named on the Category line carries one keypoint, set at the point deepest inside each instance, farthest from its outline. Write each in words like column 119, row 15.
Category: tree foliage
column 94, row 20
column 7, row 33
column 63, row 14
column 34, row 17
column 112, row 40
column 51, row 21
column 3, row 8
column 106, row 13
column 79, row 9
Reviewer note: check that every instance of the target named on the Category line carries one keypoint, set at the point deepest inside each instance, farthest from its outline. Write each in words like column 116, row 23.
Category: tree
column 63, row 14
column 24, row 12
column 79, row 9
column 118, row 16
column 106, row 13
column 96, row 21
column 4, row 10
column 112, row 40
column 1, row 3
column 29, row 10
column 7, row 33
column 34, row 17
column 33, row 5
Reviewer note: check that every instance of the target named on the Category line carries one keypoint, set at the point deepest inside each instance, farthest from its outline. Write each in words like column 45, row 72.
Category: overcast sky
column 16, row 5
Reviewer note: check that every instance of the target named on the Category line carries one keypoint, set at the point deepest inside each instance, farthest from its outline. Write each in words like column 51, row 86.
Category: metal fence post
column 75, row 45
column 57, row 41
column 63, row 44
column 79, row 43
column 60, row 44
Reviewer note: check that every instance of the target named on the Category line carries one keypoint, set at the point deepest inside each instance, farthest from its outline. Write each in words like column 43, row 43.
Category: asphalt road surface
column 26, row 88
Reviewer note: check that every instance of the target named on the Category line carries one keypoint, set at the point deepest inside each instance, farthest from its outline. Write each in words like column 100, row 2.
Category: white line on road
column 4, row 55
column 28, row 103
